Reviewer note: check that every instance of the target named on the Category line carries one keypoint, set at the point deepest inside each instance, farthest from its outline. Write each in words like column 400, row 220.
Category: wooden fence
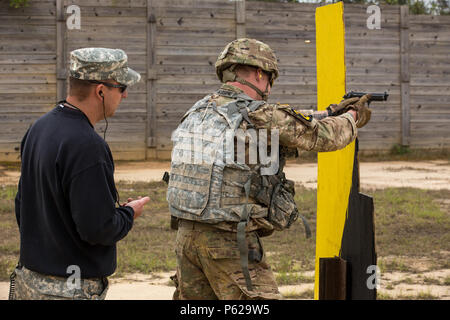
column 174, row 45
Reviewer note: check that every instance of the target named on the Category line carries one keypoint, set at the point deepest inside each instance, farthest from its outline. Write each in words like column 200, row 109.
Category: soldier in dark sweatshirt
column 66, row 201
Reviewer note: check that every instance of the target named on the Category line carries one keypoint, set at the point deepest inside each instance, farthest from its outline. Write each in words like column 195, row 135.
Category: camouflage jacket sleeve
column 304, row 131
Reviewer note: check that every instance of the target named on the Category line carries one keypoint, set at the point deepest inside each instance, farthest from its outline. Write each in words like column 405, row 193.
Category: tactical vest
column 207, row 187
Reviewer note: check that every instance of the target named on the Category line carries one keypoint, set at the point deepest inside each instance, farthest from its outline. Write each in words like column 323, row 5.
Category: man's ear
column 99, row 91
column 258, row 74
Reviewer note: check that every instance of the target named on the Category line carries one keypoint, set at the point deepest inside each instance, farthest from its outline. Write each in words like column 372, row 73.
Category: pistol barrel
column 374, row 96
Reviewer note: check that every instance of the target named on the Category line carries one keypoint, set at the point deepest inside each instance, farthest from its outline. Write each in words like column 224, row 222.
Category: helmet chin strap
column 264, row 95
column 230, row 75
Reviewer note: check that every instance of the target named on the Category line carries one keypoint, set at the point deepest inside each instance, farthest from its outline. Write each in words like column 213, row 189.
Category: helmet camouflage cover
column 248, row 52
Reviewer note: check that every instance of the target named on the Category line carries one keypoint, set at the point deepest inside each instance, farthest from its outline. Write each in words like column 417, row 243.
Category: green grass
column 285, row 278
column 408, row 222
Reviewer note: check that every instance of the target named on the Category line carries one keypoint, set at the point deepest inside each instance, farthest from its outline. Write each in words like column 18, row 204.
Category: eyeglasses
column 121, row 87
column 270, row 75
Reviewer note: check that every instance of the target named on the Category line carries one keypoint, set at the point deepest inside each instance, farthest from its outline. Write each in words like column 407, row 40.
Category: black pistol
column 374, row 96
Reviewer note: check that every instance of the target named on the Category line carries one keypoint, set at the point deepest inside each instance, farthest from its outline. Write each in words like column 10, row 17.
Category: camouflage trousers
column 209, row 267
column 30, row 285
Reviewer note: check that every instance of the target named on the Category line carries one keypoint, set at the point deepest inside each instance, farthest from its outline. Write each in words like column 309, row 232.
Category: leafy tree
column 436, row 7
column 18, row 3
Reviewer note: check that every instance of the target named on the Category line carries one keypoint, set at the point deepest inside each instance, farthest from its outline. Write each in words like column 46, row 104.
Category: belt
column 193, row 225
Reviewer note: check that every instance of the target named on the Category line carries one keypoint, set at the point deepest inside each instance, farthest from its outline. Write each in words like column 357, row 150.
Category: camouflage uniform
column 85, row 64
column 30, row 285
column 209, row 265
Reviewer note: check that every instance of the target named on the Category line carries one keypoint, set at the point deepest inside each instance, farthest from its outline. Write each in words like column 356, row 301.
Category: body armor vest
column 205, row 183
column 205, row 186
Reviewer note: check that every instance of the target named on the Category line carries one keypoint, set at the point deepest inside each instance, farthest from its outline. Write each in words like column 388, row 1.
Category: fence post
column 405, row 76
column 152, row 76
column 240, row 19
column 61, row 68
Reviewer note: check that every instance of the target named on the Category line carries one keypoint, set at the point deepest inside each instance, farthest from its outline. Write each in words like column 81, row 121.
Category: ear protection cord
column 104, row 115
column 104, row 138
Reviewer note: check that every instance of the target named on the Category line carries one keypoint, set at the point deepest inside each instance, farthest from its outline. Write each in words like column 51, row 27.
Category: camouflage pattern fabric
column 299, row 129
column 329, row 134
column 208, row 266
column 198, row 186
column 247, row 52
column 102, row 64
column 30, row 285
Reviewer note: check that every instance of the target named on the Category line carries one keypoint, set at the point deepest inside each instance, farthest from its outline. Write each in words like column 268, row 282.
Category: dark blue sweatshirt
column 65, row 205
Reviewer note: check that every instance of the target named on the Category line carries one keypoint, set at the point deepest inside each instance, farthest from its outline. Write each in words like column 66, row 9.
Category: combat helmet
column 247, row 52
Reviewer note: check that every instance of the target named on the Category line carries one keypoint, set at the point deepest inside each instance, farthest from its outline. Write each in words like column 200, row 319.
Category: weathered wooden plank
column 278, row 20
column 28, row 20
column 186, row 60
column 21, row 108
column 260, row 33
column 439, row 35
column 189, row 41
column 61, row 54
column 281, row 6
column 198, row 4
column 240, row 26
column 19, row 30
column 429, row 141
column 188, row 51
column 43, row 8
column 10, row 152
column 434, row 90
column 192, row 12
column 436, row 126
column 136, row 47
column 390, row 79
column 24, row 59
column 27, row 79
column 124, row 22
column 434, row 29
column 190, row 23
column 430, row 46
column 151, row 125
column 25, row 69
column 428, row 99
column 39, row 46
column 361, row 9
column 126, row 37
column 124, row 33
column 424, row 19
column 16, row 88
column 423, row 109
column 108, row 3
column 431, row 60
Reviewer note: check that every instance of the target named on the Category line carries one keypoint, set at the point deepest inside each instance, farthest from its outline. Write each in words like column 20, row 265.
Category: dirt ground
column 425, row 175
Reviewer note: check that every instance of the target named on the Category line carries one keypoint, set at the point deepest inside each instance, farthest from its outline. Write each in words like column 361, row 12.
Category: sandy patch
column 404, row 285
column 432, row 175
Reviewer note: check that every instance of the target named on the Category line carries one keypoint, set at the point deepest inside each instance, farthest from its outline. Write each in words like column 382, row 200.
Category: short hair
column 80, row 88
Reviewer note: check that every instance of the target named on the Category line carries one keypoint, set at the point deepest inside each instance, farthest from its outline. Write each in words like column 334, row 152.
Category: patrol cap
column 102, row 64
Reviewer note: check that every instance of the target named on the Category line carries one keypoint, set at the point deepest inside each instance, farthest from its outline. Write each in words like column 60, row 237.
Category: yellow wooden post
column 335, row 169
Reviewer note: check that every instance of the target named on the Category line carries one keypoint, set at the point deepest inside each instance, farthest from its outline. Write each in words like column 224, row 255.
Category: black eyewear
column 121, row 87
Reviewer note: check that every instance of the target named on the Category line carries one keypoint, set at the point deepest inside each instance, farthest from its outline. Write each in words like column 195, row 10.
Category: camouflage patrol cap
column 102, row 64
column 248, row 52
